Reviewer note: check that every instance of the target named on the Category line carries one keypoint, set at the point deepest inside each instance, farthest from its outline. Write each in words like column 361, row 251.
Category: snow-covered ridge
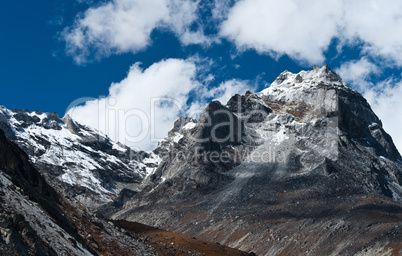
column 87, row 165
column 305, row 80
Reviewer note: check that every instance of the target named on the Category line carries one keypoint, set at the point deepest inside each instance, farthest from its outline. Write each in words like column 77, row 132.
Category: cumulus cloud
column 140, row 109
column 304, row 30
column 300, row 29
column 227, row 89
column 143, row 104
column 121, row 26
column 358, row 72
column 221, row 9
column 374, row 24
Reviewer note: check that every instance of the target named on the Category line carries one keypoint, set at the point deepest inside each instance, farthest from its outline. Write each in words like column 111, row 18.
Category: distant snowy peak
column 84, row 163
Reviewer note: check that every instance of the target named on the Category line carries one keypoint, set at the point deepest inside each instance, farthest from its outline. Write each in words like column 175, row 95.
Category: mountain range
column 303, row 167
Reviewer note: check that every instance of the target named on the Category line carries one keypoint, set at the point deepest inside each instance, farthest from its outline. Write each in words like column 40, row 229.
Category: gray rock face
column 83, row 164
column 307, row 151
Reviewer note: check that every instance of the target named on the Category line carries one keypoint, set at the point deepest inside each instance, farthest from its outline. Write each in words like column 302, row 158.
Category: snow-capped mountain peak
column 318, row 77
column 82, row 161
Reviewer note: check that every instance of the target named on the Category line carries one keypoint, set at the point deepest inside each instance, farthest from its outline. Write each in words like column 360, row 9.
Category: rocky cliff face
column 82, row 163
column 302, row 168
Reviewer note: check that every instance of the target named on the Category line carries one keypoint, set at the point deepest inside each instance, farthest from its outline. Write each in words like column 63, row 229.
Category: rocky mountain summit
column 302, row 168
column 82, row 163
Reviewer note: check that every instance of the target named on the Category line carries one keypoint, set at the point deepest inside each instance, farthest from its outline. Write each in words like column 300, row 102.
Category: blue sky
column 57, row 53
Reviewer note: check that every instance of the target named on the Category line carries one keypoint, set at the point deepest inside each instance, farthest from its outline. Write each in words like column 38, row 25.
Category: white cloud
column 183, row 13
column 304, row 29
column 300, row 29
column 121, row 26
column 375, row 24
column 357, row 72
column 227, row 89
column 140, row 109
column 221, row 9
